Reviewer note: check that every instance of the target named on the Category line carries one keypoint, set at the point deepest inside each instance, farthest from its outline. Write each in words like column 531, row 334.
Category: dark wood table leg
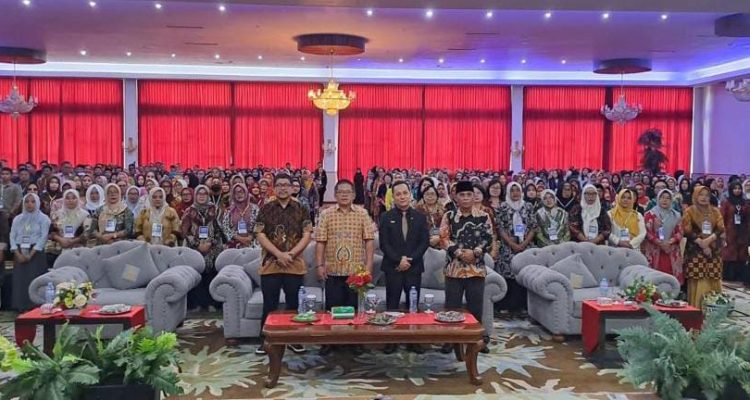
column 459, row 351
column 275, row 354
column 49, row 338
column 472, row 351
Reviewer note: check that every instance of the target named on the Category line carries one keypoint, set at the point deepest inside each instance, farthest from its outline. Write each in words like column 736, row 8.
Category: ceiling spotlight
column 482, row 61
column 27, row 3
column 302, row 58
column 370, row 12
column 83, row 52
column 563, row 61
column 217, row 56
column 127, row 53
column 488, row 14
column 92, row 4
column 548, row 15
column 174, row 55
column 400, row 60
column 222, row 7
column 260, row 57
column 429, row 13
column 441, row 60
column 157, row 5
column 523, row 61
column 605, row 15
column 664, row 17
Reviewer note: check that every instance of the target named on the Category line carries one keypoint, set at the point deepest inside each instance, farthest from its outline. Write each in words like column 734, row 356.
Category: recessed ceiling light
column 441, row 60
column 664, row 17
column 83, row 52
column 488, row 14
column 548, row 15
column 605, row 15
column 302, row 58
column 370, row 12
column 217, row 56
column 260, row 57
column 174, row 55
column 523, row 61
column 400, row 60
column 482, row 61
column 158, row 5
column 222, row 7
column 563, row 61
column 429, row 13
column 127, row 53
column 27, row 3
column 92, row 4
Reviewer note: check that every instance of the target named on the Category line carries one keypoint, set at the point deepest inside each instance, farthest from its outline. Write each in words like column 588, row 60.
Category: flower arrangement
column 641, row 291
column 70, row 295
column 715, row 300
column 360, row 281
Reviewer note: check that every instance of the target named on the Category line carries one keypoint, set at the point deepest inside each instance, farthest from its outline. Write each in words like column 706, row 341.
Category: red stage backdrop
column 77, row 120
column 563, row 127
column 667, row 108
column 467, row 127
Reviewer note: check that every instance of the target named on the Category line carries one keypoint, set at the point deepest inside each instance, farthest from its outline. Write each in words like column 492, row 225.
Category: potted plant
column 714, row 300
column 710, row 364
column 135, row 365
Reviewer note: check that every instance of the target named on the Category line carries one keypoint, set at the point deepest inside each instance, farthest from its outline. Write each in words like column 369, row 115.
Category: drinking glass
column 310, row 301
column 429, row 299
column 372, row 303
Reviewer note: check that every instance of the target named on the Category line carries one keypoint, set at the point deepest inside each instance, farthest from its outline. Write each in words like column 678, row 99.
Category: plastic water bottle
column 412, row 300
column 301, row 294
column 49, row 293
column 604, row 288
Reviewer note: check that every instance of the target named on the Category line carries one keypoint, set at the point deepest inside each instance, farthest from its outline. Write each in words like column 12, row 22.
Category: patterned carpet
column 524, row 363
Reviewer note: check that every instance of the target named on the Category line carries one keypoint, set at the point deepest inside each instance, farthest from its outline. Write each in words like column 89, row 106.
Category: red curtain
column 76, row 120
column 383, row 127
column 275, row 123
column 467, row 127
column 666, row 108
column 563, row 127
column 185, row 122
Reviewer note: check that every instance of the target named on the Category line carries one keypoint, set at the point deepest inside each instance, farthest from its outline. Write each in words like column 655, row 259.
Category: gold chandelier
column 331, row 99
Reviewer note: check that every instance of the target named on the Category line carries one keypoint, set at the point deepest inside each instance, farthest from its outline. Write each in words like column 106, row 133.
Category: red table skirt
column 285, row 319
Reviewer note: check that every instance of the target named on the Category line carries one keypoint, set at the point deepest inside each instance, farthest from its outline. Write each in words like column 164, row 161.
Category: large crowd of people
column 696, row 229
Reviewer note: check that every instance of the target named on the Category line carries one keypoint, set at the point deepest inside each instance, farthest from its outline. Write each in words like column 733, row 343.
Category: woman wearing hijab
column 663, row 236
column 157, row 222
column 166, row 184
column 186, row 200
column 746, row 190
column 516, row 225
column 113, row 221
column 68, row 226
column 565, row 197
column 628, row 227
column 589, row 221
column 201, row 231
column 133, row 200
column 238, row 223
column 359, row 188
column 702, row 226
column 552, row 221
column 94, row 199
column 735, row 211
column 179, row 184
column 28, row 239
column 51, row 193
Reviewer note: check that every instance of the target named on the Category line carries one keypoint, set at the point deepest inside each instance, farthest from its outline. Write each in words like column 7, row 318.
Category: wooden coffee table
column 26, row 323
column 280, row 331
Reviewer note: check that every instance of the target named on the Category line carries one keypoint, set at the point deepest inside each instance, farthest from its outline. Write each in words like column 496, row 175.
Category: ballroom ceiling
column 503, row 37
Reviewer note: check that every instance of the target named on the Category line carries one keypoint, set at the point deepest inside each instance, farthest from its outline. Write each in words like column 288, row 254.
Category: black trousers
column 338, row 293
column 200, row 296
column 400, row 282
column 515, row 299
column 472, row 288
column 271, row 286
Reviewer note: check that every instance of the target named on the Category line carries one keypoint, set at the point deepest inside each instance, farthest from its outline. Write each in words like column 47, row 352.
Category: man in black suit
column 404, row 238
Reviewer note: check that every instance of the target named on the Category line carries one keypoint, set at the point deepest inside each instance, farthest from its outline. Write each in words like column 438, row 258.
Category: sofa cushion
column 132, row 269
column 254, row 307
column 252, row 269
column 579, row 295
column 113, row 296
column 573, row 264
column 434, row 269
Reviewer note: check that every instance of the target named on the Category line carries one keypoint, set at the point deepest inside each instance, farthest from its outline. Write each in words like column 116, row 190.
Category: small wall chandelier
column 739, row 88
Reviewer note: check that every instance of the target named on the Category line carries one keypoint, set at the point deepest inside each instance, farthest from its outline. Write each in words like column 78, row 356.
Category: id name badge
column 25, row 242
column 111, row 224
column 242, row 227
column 434, row 232
column 706, row 228
column 203, row 232
column 661, row 233
column 156, row 230
column 552, row 232
column 624, row 234
column 737, row 219
column 69, row 232
column 593, row 232
column 519, row 230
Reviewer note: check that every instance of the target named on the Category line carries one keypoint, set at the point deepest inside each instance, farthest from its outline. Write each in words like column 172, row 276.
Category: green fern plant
column 677, row 362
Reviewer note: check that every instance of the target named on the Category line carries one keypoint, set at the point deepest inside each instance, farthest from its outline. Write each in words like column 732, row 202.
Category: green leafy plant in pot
column 710, row 364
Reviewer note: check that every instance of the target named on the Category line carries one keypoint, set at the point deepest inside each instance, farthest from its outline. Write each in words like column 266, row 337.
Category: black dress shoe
column 390, row 348
column 447, row 348
column 357, row 349
column 325, row 350
column 485, row 350
column 415, row 348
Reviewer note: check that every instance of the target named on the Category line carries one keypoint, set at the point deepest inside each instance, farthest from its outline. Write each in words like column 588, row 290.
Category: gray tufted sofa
column 554, row 303
column 237, row 285
column 164, row 297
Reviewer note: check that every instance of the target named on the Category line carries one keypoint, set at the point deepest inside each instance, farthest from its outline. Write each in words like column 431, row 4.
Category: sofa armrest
column 540, row 280
column 495, row 285
column 63, row 274
column 231, row 285
column 664, row 282
column 173, row 284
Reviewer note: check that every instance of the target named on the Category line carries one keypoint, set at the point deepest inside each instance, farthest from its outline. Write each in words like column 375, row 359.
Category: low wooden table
column 421, row 328
column 26, row 323
column 594, row 318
